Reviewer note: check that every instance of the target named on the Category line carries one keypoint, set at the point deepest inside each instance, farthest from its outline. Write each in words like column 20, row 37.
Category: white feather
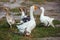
column 28, row 26
column 45, row 19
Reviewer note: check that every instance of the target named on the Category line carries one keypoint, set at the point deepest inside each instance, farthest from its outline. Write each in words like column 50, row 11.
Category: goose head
column 34, row 7
column 22, row 9
column 42, row 8
column 6, row 9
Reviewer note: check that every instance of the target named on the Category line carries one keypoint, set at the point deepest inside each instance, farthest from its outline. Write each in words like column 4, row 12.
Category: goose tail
column 52, row 19
column 52, row 23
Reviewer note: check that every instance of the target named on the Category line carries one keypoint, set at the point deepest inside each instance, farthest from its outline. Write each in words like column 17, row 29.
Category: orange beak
column 21, row 9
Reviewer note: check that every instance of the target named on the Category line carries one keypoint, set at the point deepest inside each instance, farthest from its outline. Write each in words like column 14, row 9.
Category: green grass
column 15, row 10
column 56, row 22
column 45, row 32
column 40, row 31
column 4, row 0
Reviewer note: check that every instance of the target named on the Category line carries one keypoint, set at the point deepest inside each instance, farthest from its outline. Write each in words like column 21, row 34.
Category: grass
column 4, row 0
column 56, row 22
column 45, row 32
column 39, row 32
column 15, row 10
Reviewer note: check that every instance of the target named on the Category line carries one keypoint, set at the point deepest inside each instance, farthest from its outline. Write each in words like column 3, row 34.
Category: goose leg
column 27, row 35
column 11, row 27
column 45, row 24
column 48, row 24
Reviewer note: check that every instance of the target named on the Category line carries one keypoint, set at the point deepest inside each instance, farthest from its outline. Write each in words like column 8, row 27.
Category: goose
column 45, row 19
column 24, row 18
column 9, row 18
column 27, row 27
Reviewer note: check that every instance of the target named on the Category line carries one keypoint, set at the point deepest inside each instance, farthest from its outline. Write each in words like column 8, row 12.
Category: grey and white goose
column 24, row 18
column 10, row 19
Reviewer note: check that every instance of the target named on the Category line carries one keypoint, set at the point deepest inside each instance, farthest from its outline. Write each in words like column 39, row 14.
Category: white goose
column 27, row 27
column 24, row 18
column 9, row 17
column 45, row 19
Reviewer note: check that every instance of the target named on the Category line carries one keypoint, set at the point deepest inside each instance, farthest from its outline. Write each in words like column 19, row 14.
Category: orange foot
column 28, row 36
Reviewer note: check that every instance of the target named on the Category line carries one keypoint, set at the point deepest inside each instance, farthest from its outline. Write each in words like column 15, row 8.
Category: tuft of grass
column 45, row 32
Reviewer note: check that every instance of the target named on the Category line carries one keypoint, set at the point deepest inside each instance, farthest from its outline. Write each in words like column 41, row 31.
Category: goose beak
column 6, row 9
column 36, row 7
column 20, row 9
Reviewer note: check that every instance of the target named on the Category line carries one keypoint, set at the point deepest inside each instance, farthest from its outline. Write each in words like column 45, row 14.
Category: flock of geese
column 27, row 23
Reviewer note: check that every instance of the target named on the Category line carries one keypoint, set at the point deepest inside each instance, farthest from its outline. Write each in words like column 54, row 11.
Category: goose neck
column 31, row 13
column 42, row 14
column 23, row 14
column 7, row 13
